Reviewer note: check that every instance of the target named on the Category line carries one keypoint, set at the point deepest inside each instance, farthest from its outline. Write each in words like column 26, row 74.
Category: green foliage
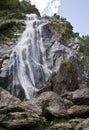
column 67, row 61
column 1, row 128
column 84, row 51
column 26, row 7
column 59, row 120
column 11, row 11
column 28, row 114
column 8, row 28
column 43, row 119
column 73, row 123
column 62, row 26
column 9, row 4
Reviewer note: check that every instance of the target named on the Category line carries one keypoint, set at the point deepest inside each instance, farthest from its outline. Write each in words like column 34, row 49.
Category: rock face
column 66, row 78
column 63, row 103
column 81, row 96
column 6, row 99
column 38, row 54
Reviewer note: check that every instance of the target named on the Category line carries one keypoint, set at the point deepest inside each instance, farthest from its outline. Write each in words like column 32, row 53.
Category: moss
column 1, row 128
column 43, row 119
column 8, row 28
column 28, row 114
column 59, row 120
column 74, row 124
column 67, row 61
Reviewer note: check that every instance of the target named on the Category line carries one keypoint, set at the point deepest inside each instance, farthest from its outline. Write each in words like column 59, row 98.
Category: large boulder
column 78, row 111
column 66, row 78
column 6, row 99
column 47, row 103
column 81, row 96
column 84, row 125
column 61, row 126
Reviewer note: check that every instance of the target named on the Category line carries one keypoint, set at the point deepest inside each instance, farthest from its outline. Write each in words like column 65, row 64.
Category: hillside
column 44, row 71
column 12, row 16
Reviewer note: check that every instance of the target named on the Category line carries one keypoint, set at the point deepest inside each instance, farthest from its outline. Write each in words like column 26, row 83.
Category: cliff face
column 44, row 45
column 63, row 101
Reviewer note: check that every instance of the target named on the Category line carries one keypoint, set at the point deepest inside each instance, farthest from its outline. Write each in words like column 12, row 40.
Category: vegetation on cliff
column 84, row 51
column 12, row 14
column 62, row 26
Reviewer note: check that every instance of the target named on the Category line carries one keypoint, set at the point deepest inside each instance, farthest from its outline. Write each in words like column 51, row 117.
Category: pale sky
column 40, row 4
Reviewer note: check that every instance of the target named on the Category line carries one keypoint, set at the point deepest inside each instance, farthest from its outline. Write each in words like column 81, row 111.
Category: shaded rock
column 20, row 124
column 83, row 125
column 68, row 103
column 2, row 116
column 5, row 51
column 62, row 126
column 81, row 96
column 47, row 102
column 79, row 111
column 66, row 78
column 6, row 99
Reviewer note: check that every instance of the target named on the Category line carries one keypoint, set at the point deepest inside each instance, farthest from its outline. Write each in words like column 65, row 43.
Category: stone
column 65, row 79
column 6, row 99
column 84, row 125
column 78, row 111
column 81, row 96
column 86, row 128
column 62, row 126
column 47, row 102
column 20, row 123
column 68, row 103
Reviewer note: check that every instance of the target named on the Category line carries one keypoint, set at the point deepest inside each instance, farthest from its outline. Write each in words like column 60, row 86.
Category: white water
column 34, row 58
column 28, row 69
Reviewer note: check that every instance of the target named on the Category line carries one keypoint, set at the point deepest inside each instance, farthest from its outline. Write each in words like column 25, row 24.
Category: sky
column 76, row 12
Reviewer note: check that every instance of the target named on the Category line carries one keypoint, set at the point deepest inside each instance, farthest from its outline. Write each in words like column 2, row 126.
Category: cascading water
column 34, row 58
column 27, row 67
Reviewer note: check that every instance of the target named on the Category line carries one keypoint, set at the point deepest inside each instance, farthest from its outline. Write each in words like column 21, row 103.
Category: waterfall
column 28, row 69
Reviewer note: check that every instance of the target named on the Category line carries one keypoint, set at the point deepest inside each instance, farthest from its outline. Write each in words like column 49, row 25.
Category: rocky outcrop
column 7, row 100
column 65, row 79
column 46, row 111
column 81, row 96
column 18, row 115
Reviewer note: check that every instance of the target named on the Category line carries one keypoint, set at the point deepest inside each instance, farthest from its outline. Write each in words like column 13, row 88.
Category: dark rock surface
column 65, row 79
column 46, row 111
column 81, row 96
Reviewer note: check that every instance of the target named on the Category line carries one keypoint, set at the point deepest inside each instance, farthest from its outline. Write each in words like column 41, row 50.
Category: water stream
column 27, row 67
